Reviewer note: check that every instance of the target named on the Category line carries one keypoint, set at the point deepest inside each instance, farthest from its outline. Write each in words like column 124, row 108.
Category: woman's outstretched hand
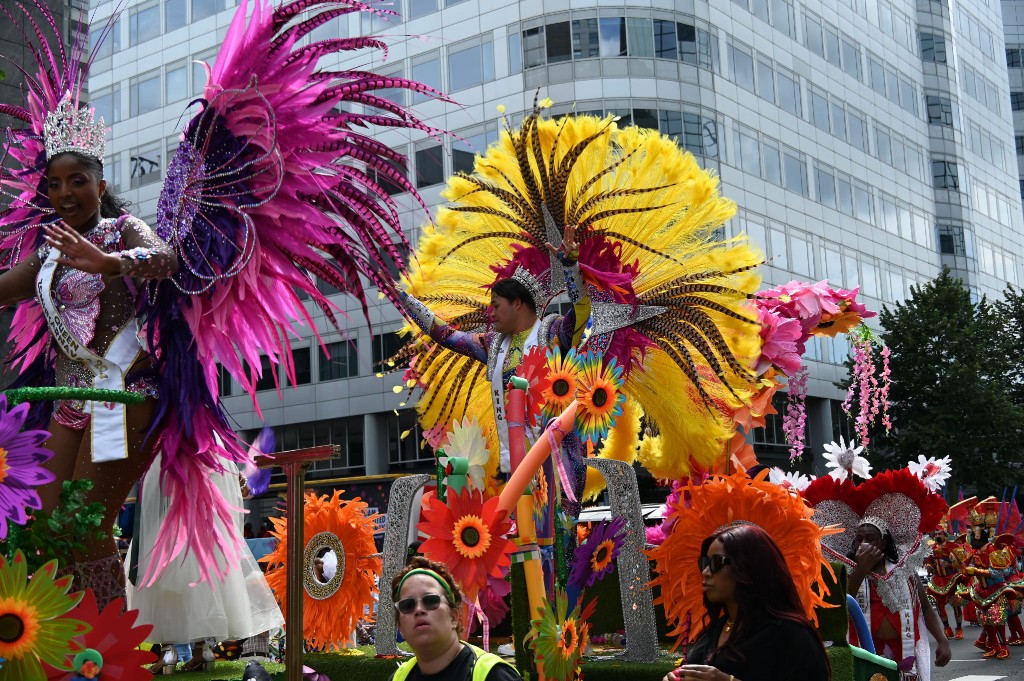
column 78, row 252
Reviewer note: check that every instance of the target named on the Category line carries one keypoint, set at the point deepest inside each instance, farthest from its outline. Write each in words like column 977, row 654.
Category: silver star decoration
column 610, row 317
column 554, row 235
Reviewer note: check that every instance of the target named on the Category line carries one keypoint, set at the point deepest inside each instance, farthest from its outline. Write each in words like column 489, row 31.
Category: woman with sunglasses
column 755, row 627
column 429, row 604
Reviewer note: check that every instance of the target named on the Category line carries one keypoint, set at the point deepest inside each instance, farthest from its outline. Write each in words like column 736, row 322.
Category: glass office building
column 866, row 141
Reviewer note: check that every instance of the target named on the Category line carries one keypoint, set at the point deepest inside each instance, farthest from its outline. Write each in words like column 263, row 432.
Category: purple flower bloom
column 20, row 469
column 595, row 558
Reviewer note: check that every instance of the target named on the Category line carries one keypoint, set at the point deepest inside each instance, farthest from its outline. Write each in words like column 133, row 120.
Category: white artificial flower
column 466, row 440
column 796, row 482
column 933, row 472
column 846, row 460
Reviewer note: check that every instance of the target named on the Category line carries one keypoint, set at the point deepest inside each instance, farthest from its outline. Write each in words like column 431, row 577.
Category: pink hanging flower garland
column 794, row 421
column 872, row 396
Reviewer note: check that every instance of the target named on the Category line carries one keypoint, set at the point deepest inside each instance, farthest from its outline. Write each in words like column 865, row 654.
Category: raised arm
column 468, row 344
column 569, row 329
column 146, row 255
column 19, row 282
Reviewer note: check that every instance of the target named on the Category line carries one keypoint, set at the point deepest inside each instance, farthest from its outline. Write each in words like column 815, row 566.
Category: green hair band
column 430, row 573
column 18, row 395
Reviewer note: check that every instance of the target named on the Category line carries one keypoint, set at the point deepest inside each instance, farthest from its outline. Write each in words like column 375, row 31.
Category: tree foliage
column 953, row 384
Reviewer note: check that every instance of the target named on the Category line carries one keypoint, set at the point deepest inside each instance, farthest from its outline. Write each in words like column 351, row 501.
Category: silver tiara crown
column 70, row 129
column 533, row 284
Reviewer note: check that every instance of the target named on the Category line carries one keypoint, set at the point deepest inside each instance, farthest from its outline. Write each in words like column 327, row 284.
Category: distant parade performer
column 944, row 577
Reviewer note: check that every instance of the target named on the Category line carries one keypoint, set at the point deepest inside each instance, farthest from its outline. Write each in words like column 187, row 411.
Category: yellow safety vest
column 482, row 666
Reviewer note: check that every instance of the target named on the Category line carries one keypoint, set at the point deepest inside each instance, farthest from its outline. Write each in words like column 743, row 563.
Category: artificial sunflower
column 558, row 638
column 33, row 626
column 468, row 535
column 21, row 471
column 563, row 370
column 332, row 619
column 115, row 637
column 534, row 369
column 595, row 558
column 600, row 397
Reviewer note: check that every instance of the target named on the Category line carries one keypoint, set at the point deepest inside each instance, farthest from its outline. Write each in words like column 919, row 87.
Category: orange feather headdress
column 722, row 500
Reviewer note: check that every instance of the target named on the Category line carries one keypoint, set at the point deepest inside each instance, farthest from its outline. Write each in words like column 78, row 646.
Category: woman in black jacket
column 756, row 628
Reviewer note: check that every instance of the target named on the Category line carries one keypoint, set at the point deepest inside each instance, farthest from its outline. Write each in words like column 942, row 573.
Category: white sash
column 498, row 393
column 109, row 427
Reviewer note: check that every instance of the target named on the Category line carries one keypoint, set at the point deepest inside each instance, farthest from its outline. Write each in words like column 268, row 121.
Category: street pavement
column 968, row 665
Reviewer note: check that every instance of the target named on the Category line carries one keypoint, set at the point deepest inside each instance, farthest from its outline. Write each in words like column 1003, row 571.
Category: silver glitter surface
column 610, row 317
column 403, row 491
column 634, row 572
column 833, row 512
column 554, row 235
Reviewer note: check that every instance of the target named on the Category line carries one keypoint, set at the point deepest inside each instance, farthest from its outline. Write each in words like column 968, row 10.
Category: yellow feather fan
column 647, row 216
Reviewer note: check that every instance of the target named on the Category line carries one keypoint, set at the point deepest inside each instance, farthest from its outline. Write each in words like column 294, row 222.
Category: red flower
column 467, row 535
column 534, row 368
column 115, row 637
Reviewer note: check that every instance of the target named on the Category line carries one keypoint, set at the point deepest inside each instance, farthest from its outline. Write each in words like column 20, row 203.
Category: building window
column 945, row 175
column 406, row 447
column 908, row 96
column 940, row 110
column 429, row 166
column 1017, row 101
column 144, row 24
column 385, row 346
column 112, row 173
column 613, row 36
column 782, row 17
column 342, row 362
column 426, row 70
column 533, row 47
column 826, row 182
column 398, row 95
column 933, row 48
column 389, row 184
column 1019, row 141
column 421, row 8
column 857, row 131
column 470, row 66
column 877, row 76
column 789, row 93
column 665, row 44
column 794, row 171
column 302, row 359
column 175, row 15
column 951, row 240
column 748, row 151
column 772, row 163
column 107, row 103
column 144, row 93
column 102, row 42
column 176, row 81
column 146, row 164
column 742, row 67
column 851, row 58
column 268, row 375
column 766, row 81
column 812, row 35
column 1013, row 58
column 202, row 9
column 832, row 48
column 223, row 381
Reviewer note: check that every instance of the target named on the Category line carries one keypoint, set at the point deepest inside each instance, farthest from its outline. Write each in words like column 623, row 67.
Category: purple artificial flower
column 595, row 558
column 21, row 471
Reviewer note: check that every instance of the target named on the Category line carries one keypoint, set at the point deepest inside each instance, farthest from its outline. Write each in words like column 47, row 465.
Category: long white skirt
column 240, row 606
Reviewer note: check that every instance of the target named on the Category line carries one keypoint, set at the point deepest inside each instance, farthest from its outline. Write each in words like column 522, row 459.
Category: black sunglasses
column 407, row 606
column 715, row 562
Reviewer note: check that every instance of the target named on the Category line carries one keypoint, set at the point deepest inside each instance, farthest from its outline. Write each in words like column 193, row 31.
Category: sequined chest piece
column 77, row 293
